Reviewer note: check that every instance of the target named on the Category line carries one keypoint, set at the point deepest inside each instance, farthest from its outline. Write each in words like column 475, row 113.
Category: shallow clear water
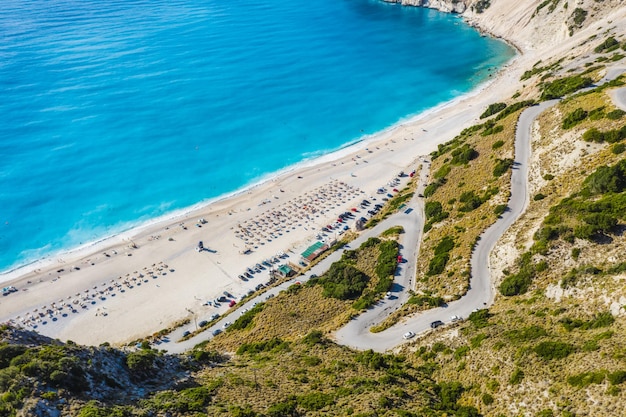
column 114, row 112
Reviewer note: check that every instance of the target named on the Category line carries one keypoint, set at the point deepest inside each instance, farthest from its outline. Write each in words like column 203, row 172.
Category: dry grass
column 476, row 176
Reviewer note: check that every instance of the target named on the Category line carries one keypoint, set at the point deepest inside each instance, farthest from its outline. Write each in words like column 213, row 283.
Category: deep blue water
column 115, row 112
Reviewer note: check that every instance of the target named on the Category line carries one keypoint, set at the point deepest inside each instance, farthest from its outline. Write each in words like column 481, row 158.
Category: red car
column 232, row 303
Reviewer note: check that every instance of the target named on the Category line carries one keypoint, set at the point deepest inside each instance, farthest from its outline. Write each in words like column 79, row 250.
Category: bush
column 432, row 209
column 513, row 108
column 442, row 255
column 586, row 378
column 554, row 350
column 618, row 148
column 539, row 196
column 562, row 86
column 499, row 209
column 480, row 318
column 615, row 114
column 608, row 45
column 426, row 300
column 470, row 201
column 493, row 109
column 245, row 320
column 617, row 377
column 481, row 5
column 492, row 130
column 141, row 361
column 343, row 281
column 516, row 376
column 315, row 401
column 502, row 166
column 573, row 118
column 497, row 144
column 487, row 399
column 284, row 409
column 515, row 284
column 463, row 155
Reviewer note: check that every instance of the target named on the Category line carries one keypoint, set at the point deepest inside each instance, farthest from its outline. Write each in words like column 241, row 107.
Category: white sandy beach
column 177, row 279
column 172, row 280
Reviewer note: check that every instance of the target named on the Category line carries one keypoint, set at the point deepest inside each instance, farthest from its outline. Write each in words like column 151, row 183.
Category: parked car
column 436, row 324
column 203, row 323
column 408, row 335
column 186, row 333
column 216, row 332
column 455, row 318
column 225, row 325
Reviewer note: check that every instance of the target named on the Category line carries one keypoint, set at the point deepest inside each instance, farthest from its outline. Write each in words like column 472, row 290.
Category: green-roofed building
column 285, row 271
column 313, row 251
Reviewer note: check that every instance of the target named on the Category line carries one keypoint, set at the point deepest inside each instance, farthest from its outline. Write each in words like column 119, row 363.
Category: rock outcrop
column 449, row 6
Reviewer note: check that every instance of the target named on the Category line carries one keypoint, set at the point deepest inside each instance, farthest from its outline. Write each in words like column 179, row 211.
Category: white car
column 408, row 335
column 455, row 318
column 225, row 325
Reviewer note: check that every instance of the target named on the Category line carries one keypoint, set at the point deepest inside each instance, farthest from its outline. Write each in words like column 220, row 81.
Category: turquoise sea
column 113, row 112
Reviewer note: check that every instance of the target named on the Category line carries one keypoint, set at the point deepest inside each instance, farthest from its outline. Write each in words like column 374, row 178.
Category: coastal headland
column 134, row 284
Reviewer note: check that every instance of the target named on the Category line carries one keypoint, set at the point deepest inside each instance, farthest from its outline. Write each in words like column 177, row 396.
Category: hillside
column 552, row 344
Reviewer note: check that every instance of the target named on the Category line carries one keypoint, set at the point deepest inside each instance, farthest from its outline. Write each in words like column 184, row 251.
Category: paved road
column 619, row 97
column 481, row 293
column 412, row 223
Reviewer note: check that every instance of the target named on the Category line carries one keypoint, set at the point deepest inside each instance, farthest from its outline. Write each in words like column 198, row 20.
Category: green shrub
column 343, row 281
column 573, row 118
column 608, row 45
column 526, row 334
column 426, row 300
column 615, row 114
column 443, row 171
column 141, row 361
column 492, row 130
column 470, row 201
column 497, row 144
column 432, row 209
column 618, row 148
column 480, row 318
column 585, row 379
column 516, row 377
column 487, row 399
column 245, row 320
column 315, row 401
column 481, row 5
column 493, row 109
column 442, row 255
column 283, row 409
column 463, row 155
column 513, row 108
column 499, row 209
column 502, row 166
column 539, row 196
column 554, row 350
column 617, row 377
column 578, row 16
column 562, row 86
column 516, row 284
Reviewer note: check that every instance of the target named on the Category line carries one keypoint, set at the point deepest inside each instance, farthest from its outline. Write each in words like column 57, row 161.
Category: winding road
column 481, row 292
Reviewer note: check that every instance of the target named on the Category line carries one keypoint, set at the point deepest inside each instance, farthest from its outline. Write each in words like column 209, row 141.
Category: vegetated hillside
column 551, row 345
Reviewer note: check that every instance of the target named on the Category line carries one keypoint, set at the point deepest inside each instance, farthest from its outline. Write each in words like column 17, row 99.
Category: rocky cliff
column 532, row 25
column 449, row 6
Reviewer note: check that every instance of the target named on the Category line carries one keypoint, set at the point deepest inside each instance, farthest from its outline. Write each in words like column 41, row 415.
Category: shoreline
column 16, row 271
column 117, row 280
